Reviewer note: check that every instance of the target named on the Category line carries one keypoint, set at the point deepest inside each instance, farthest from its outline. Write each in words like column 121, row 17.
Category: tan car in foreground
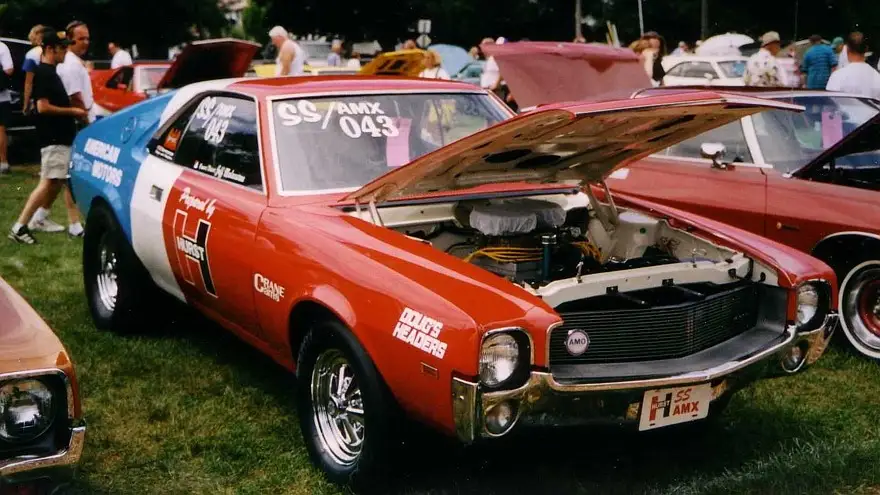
column 41, row 427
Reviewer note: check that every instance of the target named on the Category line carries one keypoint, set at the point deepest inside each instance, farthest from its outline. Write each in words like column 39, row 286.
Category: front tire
column 345, row 409
column 118, row 288
column 859, row 305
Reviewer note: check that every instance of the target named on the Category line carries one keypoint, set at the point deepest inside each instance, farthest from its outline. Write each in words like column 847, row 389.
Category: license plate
column 671, row 406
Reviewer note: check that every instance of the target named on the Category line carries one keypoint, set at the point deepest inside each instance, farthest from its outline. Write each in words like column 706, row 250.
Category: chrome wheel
column 107, row 274
column 860, row 307
column 337, row 407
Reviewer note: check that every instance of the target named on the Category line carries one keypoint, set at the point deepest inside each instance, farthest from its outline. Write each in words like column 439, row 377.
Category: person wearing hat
column 857, row 77
column 56, row 128
column 291, row 58
column 818, row 63
column 762, row 68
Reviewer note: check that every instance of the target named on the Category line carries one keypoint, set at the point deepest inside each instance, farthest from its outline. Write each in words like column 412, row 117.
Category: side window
column 678, row 70
column 216, row 137
column 122, row 76
column 699, row 70
column 730, row 135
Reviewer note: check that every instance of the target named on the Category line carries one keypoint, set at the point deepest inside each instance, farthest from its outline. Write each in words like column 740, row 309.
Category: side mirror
column 122, row 86
column 709, row 77
column 714, row 152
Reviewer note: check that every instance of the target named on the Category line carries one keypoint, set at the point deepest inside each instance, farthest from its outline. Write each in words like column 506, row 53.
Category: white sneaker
column 75, row 230
column 45, row 226
column 4, row 169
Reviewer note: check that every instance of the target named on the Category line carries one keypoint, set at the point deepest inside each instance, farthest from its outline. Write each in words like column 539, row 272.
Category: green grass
column 190, row 409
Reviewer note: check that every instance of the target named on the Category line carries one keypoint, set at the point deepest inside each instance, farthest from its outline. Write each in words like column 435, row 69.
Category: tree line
column 155, row 25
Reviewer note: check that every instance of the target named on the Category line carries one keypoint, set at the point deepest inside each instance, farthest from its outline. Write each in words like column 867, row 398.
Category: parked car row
column 637, row 259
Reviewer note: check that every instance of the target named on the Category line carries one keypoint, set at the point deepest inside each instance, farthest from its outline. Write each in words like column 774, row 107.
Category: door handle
column 783, row 226
column 156, row 193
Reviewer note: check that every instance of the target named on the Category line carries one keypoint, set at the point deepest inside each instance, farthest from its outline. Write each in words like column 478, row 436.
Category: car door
column 680, row 177
column 205, row 173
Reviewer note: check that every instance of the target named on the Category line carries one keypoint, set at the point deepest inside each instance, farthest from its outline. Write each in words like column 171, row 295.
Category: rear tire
column 859, row 306
column 345, row 409
column 118, row 288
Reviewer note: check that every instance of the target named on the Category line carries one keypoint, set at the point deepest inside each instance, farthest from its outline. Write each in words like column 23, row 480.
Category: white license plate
column 671, row 406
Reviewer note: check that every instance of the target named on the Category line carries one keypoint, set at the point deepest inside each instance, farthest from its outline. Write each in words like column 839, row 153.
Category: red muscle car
column 42, row 432
column 406, row 246
column 808, row 180
column 115, row 89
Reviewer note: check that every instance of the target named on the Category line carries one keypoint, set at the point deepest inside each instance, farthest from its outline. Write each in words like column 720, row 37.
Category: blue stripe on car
column 94, row 175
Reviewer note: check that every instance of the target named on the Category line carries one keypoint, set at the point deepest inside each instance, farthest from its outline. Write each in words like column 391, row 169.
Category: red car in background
column 115, row 89
column 808, row 180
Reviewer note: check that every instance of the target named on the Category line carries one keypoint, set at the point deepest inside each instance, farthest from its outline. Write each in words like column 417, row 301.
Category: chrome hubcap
column 107, row 276
column 861, row 306
column 337, row 407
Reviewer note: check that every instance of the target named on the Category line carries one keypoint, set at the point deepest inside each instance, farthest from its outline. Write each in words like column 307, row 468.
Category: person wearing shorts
column 5, row 102
column 56, row 129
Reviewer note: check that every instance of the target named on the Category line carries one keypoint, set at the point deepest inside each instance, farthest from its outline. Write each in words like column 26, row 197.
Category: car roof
column 763, row 92
column 292, row 85
column 701, row 58
column 16, row 41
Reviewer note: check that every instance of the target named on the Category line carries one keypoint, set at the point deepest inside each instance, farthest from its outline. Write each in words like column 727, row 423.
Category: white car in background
column 689, row 70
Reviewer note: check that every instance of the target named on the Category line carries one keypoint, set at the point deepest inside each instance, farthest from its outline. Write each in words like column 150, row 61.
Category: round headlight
column 499, row 358
column 808, row 298
column 26, row 410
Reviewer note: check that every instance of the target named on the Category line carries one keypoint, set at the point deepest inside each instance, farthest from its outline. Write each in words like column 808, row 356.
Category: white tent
column 723, row 44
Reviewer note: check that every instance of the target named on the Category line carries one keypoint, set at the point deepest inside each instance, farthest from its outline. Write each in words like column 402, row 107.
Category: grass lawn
column 189, row 409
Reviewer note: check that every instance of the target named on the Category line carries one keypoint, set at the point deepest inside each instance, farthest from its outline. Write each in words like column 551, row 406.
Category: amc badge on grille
column 577, row 342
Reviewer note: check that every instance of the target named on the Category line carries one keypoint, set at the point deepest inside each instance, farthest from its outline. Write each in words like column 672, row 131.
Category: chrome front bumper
column 28, row 468
column 543, row 400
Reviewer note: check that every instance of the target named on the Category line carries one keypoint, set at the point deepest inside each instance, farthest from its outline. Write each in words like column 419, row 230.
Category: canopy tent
column 452, row 58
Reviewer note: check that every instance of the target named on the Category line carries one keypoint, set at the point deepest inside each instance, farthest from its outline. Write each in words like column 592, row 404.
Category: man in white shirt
column 491, row 77
column 857, row 77
column 291, row 57
column 5, row 102
column 73, row 71
column 121, row 58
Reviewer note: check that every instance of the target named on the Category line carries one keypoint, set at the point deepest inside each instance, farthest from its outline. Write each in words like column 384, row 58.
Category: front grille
column 662, row 323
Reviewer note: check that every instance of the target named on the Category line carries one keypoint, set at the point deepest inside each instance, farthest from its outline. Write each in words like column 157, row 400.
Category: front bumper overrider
column 545, row 401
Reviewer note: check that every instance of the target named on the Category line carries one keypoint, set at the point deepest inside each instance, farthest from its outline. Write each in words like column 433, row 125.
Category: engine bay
column 534, row 242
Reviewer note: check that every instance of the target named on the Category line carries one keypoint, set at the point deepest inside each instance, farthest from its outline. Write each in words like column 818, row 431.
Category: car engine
column 535, row 242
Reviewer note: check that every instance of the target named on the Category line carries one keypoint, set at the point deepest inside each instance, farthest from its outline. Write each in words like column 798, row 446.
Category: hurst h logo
column 663, row 406
column 192, row 251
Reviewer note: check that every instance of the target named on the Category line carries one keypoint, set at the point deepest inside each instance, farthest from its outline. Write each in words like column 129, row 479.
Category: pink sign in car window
column 832, row 129
column 397, row 147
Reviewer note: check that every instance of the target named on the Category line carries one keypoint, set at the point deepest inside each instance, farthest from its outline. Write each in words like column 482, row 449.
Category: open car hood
column 864, row 138
column 566, row 144
column 209, row 59
column 552, row 72
column 399, row 63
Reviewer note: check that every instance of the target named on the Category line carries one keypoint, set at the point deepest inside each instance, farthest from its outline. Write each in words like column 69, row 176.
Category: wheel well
column 304, row 314
column 99, row 201
column 845, row 251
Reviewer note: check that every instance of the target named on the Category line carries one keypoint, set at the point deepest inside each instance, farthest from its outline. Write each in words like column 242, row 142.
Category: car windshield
column 733, row 68
column 150, row 76
column 790, row 140
column 340, row 143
